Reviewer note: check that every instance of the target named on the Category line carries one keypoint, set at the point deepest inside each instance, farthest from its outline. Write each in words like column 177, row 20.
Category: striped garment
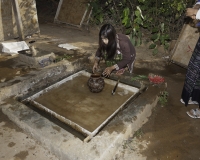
column 191, row 86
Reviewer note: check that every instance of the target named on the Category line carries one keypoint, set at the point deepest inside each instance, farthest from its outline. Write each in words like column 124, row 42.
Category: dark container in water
column 96, row 83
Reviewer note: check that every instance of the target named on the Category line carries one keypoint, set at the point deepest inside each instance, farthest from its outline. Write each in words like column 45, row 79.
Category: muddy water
column 74, row 101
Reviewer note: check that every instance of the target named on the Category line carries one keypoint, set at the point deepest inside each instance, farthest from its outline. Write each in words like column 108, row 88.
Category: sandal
column 189, row 102
column 194, row 113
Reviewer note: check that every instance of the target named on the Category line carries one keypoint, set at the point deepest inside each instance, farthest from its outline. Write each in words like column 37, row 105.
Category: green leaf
column 126, row 12
column 139, row 77
column 138, row 21
column 101, row 19
column 180, row 7
column 162, row 39
column 152, row 46
column 137, row 13
column 125, row 21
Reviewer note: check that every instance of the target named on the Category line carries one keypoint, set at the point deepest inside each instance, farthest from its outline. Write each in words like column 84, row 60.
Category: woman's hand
column 120, row 72
column 191, row 12
column 108, row 71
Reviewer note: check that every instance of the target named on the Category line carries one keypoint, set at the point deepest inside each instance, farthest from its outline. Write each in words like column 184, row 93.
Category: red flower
column 156, row 79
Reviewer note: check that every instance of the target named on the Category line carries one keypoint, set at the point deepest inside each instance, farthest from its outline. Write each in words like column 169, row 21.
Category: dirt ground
column 170, row 134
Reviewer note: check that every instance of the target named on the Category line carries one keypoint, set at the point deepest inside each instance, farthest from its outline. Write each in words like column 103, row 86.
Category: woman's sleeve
column 198, row 2
column 198, row 15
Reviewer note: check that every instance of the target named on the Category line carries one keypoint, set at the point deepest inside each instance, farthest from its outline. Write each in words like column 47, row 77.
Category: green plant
column 139, row 77
column 161, row 38
column 65, row 56
column 97, row 17
column 163, row 98
column 161, row 20
column 110, row 63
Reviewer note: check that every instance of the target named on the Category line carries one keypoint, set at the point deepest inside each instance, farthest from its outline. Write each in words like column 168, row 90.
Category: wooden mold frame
column 89, row 135
column 85, row 17
column 185, row 45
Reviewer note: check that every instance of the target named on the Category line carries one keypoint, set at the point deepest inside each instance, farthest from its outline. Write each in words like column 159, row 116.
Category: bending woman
column 191, row 88
column 114, row 47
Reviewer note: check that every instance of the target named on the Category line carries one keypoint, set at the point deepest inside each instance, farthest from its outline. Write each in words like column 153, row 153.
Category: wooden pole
column 18, row 19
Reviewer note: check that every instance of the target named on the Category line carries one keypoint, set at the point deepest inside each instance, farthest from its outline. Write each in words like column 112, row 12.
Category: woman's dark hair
column 108, row 31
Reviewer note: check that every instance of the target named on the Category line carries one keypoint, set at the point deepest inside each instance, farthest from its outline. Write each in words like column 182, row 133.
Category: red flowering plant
column 155, row 79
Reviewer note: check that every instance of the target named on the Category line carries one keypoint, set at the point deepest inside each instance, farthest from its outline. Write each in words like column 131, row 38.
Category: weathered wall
column 8, row 26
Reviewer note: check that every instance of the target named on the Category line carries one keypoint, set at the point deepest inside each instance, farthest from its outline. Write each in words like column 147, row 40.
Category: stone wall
column 8, row 26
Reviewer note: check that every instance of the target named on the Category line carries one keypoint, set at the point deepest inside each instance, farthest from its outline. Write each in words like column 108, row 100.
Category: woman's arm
column 191, row 12
column 96, row 60
column 194, row 12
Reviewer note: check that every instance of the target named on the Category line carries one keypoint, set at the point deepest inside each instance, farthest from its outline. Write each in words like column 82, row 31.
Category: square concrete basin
column 71, row 101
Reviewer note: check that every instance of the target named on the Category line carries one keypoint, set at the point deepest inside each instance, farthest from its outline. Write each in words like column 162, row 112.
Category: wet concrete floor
column 16, row 145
